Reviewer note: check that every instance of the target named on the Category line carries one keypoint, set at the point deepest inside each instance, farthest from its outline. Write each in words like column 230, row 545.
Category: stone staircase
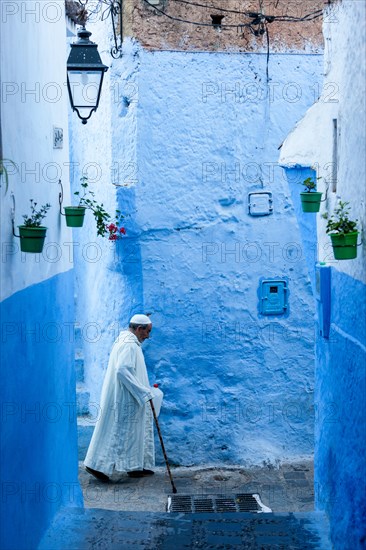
column 84, row 529
column 82, row 396
column 86, row 425
column 85, row 422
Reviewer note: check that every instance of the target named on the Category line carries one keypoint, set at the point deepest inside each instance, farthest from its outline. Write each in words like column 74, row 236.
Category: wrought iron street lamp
column 85, row 72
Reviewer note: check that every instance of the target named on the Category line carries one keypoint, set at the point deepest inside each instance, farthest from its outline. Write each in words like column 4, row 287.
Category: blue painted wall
column 238, row 386
column 340, row 394
column 38, row 411
column 340, row 467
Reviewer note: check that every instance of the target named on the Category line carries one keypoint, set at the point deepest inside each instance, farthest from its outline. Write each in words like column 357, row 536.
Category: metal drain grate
column 190, row 504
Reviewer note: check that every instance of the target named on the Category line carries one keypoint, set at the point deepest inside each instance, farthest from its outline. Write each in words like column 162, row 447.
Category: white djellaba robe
column 123, row 437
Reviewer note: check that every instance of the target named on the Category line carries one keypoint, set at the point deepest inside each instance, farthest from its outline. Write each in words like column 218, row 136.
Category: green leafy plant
column 37, row 214
column 310, row 184
column 4, row 171
column 86, row 191
column 339, row 222
column 103, row 220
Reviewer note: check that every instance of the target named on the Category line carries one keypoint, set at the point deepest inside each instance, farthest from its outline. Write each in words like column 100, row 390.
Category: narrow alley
column 183, row 275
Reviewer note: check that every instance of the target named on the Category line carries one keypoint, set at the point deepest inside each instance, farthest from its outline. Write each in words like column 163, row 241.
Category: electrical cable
column 268, row 51
column 196, row 4
column 288, row 18
column 258, row 19
column 253, row 15
column 194, row 22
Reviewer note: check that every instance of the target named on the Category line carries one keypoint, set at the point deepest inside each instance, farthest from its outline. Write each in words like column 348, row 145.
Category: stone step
column 78, row 336
column 82, row 529
column 82, row 399
column 85, row 431
column 79, row 366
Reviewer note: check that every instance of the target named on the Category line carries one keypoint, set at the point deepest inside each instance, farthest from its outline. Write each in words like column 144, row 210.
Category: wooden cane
column 162, row 446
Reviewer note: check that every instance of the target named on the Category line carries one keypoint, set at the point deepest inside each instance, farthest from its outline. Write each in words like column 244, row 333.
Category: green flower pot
column 311, row 201
column 74, row 216
column 32, row 238
column 344, row 245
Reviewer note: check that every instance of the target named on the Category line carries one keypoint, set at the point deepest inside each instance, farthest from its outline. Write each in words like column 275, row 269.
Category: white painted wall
column 342, row 98
column 33, row 100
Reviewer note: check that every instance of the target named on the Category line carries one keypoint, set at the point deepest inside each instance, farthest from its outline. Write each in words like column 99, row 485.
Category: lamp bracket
column 115, row 11
column 61, row 197
column 12, row 215
column 12, row 211
column 108, row 8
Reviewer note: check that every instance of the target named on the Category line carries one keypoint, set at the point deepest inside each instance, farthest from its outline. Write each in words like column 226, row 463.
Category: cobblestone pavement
column 289, row 488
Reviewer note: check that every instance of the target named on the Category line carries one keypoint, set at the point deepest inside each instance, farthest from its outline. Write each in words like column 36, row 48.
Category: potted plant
column 310, row 199
column 32, row 233
column 343, row 232
column 75, row 214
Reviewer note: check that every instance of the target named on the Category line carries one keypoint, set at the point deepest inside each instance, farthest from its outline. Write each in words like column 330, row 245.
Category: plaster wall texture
column 340, row 469
column 238, row 387
column 38, row 420
column 311, row 143
column 34, row 100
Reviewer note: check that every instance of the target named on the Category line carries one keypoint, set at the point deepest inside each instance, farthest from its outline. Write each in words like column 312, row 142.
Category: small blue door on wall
column 273, row 297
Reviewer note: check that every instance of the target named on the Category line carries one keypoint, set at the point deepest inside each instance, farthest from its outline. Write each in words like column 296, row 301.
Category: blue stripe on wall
column 38, row 410
column 340, row 470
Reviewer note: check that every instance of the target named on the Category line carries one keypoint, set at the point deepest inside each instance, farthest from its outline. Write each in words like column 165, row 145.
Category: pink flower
column 115, row 233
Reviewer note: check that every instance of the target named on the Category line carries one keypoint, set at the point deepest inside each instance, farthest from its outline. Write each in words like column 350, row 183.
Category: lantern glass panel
column 85, row 88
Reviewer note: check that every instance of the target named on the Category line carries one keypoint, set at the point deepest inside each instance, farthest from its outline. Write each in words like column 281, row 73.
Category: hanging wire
column 268, row 50
column 199, row 23
column 254, row 15
column 206, row 6
column 113, row 9
column 258, row 24
column 291, row 19
column 258, row 19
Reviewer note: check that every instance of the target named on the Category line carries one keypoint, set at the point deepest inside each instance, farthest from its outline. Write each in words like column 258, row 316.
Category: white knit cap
column 140, row 320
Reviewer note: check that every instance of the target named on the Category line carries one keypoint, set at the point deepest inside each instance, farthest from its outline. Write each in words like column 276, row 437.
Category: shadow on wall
column 129, row 257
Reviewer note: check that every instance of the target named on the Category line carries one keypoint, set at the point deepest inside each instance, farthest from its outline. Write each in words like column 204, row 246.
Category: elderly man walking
column 123, row 438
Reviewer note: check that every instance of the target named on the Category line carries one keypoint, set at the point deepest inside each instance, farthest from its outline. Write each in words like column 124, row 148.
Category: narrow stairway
column 85, row 529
